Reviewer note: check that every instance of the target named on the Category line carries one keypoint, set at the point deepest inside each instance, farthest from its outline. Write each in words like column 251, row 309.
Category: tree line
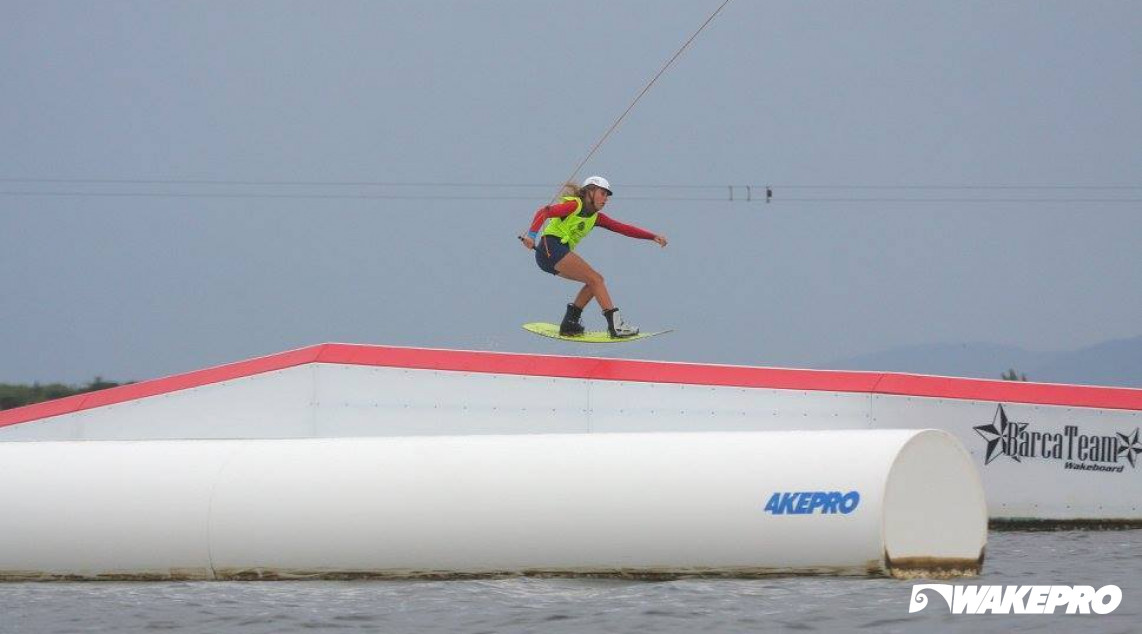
column 1011, row 375
column 18, row 395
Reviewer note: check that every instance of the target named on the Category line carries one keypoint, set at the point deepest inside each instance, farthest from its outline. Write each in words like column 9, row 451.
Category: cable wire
column 668, row 64
column 443, row 190
column 736, row 196
column 493, row 185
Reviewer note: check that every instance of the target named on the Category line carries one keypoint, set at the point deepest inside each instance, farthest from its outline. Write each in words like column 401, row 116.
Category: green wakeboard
column 591, row 336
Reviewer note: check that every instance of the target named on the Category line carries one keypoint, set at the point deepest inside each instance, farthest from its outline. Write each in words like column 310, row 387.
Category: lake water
column 795, row 604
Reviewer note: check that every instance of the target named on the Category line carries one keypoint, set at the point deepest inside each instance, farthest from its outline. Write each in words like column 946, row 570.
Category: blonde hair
column 570, row 189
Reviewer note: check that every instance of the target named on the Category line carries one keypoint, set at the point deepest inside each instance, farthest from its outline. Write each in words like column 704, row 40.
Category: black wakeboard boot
column 571, row 327
column 618, row 328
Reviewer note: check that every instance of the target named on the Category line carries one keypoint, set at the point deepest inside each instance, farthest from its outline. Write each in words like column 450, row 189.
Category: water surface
column 794, row 604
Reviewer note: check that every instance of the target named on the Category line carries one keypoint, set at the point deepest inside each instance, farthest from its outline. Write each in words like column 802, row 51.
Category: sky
column 186, row 184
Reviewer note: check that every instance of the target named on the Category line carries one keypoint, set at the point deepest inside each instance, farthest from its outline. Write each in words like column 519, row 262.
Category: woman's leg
column 576, row 268
column 584, row 297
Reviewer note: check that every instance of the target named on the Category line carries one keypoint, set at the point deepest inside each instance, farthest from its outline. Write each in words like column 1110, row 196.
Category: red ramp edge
column 600, row 369
column 155, row 387
column 1010, row 391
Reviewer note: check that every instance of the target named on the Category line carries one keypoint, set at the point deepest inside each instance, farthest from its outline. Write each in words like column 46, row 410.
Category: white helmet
column 599, row 181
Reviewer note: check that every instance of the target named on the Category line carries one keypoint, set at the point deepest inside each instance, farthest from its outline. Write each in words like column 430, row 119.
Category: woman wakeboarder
column 567, row 223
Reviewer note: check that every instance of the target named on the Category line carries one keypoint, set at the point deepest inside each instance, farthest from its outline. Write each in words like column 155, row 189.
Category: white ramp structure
column 1044, row 452
column 639, row 505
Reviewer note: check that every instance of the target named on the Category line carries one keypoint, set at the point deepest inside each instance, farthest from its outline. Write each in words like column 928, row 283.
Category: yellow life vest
column 572, row 228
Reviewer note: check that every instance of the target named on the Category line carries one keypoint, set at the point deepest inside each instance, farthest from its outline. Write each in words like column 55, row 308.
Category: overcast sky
column 186, row 184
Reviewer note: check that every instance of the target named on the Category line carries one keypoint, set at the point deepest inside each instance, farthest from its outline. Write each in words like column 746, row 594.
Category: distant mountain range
column 1117, row 362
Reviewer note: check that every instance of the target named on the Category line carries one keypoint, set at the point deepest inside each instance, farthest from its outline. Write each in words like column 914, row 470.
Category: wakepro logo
column 1019, row 599
column 810, row 502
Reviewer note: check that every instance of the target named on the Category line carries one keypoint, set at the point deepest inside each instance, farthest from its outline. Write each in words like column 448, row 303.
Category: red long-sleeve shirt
column 564, row 209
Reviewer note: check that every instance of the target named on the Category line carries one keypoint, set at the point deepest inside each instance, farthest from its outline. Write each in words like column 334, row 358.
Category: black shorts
column 548, row 252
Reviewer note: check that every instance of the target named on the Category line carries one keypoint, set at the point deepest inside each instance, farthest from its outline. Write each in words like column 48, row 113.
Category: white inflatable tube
column 750, row 503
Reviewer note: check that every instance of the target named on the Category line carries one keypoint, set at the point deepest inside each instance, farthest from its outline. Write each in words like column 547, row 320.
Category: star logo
column 1129, row 447
column 996, row 435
